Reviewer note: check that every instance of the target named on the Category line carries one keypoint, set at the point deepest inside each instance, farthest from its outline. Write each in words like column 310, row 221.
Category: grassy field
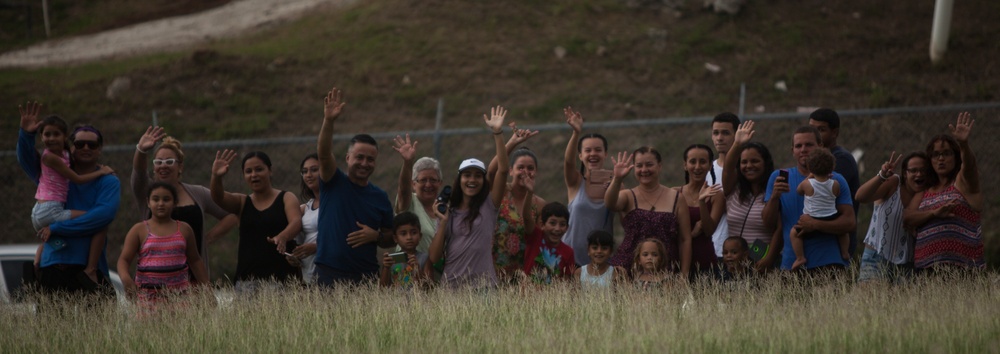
column 783, row 314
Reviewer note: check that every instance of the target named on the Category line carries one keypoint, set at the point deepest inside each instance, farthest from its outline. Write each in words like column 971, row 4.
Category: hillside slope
column 397, row 57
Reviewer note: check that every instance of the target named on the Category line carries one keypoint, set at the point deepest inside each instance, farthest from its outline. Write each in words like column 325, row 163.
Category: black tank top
column 258, row 258
column 191, row 214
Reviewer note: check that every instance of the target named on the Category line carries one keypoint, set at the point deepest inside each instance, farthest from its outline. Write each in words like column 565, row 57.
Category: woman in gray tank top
column 586, row 210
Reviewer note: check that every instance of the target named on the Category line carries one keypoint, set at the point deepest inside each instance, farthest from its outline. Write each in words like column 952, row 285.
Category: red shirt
column 552, row 260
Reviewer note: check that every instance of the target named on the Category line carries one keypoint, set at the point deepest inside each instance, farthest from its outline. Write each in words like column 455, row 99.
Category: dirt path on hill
column 233, row 19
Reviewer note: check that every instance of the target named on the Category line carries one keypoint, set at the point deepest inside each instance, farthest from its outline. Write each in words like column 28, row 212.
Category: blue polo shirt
column 342, row 204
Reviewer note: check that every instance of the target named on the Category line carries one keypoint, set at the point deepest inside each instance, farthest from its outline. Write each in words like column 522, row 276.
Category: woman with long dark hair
column 947, row 214
column 744, row 181
column 269, row 220
column 705, row 204
column 464, row 236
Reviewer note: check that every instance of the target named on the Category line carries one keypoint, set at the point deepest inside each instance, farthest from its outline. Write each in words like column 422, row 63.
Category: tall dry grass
column 789, row 313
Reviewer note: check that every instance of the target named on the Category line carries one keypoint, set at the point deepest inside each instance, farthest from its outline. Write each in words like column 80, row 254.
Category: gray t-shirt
column 469, row 257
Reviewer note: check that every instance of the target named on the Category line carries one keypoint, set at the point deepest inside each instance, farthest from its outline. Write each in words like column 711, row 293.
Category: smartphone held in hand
column 398, row 257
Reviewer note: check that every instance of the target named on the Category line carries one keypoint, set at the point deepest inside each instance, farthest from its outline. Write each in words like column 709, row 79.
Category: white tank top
column 822, row 203
column 589, row 281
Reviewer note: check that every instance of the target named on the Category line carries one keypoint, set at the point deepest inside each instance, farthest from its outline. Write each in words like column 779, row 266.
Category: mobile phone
column 399, row 257
column 598, row 183
column 758, row 250
column 783, row 174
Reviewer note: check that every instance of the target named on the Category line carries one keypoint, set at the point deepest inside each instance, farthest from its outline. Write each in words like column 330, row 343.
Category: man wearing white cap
column 355, row 216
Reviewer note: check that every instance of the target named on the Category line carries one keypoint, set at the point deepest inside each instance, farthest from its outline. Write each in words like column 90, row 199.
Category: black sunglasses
column 90, row 144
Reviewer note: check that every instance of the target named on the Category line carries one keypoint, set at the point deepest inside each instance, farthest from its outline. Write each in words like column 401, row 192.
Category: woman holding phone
column 585, row 186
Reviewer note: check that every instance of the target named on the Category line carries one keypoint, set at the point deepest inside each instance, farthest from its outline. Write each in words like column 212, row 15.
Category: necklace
column 652, row 206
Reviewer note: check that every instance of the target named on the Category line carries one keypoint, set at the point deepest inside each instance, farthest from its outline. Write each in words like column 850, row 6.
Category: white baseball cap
column 472, row 163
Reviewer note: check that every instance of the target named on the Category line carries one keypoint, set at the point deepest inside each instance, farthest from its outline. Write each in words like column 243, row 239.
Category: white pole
column 45, row 16
column 940, row 29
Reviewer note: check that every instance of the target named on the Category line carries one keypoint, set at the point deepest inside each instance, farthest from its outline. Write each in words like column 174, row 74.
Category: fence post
column 437, row 129
column 743, row 98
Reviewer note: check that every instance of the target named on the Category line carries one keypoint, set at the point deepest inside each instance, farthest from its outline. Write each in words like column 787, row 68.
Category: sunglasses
column 160, row 162
column 93, row 145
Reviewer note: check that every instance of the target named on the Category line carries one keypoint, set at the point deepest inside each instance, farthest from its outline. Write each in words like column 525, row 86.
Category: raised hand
column 889, row 167
column 520, row 135
column 961, row 129
column 29, row 116
column 709, row 192
column 222, row 161
column 333, row 104
column 495, row 120
column 623, row 164
column 150, row 137
column 404, row 147
column 744, row 133
column 574, row 119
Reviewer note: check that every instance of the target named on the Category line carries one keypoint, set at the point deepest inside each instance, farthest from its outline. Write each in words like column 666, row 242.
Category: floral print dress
column 509, row 240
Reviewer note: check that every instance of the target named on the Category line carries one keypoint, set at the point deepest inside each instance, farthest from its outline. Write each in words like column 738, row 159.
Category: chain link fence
column 873, row 133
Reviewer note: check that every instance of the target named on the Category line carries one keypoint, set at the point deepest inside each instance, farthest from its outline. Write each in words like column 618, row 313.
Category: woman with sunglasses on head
column 948, row 214
column 193, row 201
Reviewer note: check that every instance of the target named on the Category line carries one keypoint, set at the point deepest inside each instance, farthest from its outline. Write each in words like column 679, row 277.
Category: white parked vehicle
column 17, row 265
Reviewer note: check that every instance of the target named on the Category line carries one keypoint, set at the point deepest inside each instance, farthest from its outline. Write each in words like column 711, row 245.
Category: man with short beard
column 64, row 256
column 354, row 215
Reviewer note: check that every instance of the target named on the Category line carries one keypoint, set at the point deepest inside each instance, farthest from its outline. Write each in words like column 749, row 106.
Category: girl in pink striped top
column 165, row 248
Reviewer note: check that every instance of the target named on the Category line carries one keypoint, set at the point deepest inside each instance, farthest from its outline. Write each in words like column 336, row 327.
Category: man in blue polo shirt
column 355, row 216
column 822, row 250
column 65, row 253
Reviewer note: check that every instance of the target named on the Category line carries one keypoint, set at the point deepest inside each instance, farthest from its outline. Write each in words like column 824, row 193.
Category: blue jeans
column 876, row 267
column 45, row 213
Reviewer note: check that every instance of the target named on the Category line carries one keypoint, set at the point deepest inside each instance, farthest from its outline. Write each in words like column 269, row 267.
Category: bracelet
column 498, row 133
column 879, row 174
column 140, row 150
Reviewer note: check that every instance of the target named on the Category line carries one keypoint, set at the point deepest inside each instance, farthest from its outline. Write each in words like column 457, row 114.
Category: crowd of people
column 735, row 217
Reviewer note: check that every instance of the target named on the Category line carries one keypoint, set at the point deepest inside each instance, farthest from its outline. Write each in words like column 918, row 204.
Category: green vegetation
column 947, row 314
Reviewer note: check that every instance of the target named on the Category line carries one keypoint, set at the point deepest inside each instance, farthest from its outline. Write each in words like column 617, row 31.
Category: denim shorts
column 875, row 267
column 46, row 213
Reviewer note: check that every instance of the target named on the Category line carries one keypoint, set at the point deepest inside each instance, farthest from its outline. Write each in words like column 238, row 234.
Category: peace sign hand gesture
column 405, row 148
column 961, row 129
column 222, row 161
column 623, row 164
column 889, row 167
